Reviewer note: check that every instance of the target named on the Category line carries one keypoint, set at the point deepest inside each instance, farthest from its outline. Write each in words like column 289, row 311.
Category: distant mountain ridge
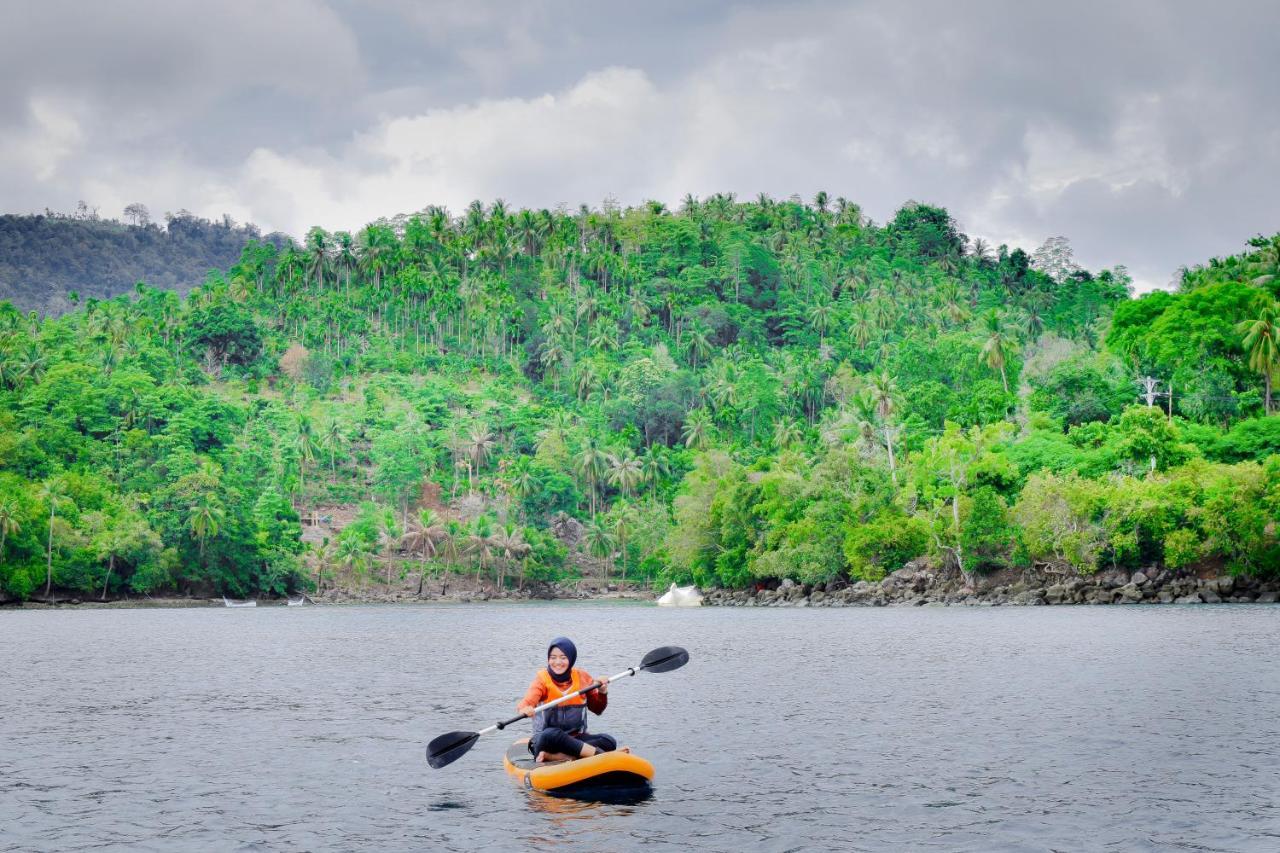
column 45, row 258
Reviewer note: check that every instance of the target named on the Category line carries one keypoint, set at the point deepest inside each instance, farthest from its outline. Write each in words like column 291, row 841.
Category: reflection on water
column 877, row 729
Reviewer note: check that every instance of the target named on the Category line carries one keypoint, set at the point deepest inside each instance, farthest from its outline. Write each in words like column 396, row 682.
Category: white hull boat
column 681, row 596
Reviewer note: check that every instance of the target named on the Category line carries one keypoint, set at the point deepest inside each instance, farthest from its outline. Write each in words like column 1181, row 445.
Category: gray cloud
column 1142, row 132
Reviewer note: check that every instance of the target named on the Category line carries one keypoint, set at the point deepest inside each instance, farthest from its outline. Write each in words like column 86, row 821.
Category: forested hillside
column 51, row 263
column 726, row 393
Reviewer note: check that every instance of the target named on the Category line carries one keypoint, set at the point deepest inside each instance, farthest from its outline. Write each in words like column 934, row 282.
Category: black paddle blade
column 448, row 748
column 665, row 659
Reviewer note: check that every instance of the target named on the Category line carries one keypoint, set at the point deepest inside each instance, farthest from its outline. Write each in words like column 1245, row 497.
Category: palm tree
column 603, row 335
column 885, row 390
column 1262, row 343
column 624, row 516
column 332, row 439
column 590, row 463
column 699, row 345
column 1267, row 264
column 625, row 471
column 353, row 555
column 424, row 538
column 10, row 521
column 323, row 554
column 306, row 443
column 697, row 430
column 655, row 464
column 786, row 432
column 997, row 346
column 820, row 316
column 479, row 444
column 600, row 542
column 317, row 255
column 586, row 380
column 862, row 326
column 205, row 519
column 388, row 537
column 480, row 543
column 510, row 545
column 522, row 480
column 451, row 543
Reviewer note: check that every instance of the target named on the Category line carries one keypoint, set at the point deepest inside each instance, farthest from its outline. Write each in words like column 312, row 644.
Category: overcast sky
column 1148, row 133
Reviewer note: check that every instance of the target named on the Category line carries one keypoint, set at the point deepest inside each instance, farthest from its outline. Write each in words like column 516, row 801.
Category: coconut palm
column 1266, row 265
column 479, row 543
column 820, row 316
column 332, row 439
column 480, row 443
column 624, row 518
column 997, row 347
column 317, row 255
column 306, row 444
column 885, row 390
column 389, row 536
column 862, row 327
column 353, row 555
column 205, row 518
column 10, row 520
column 604, row 335
column 600, row 542
column 323, row 554
column 698, row 344
column 591, row 462
column 786, row 432
column 697, row 430
column 625, row 471
column 1262, row 343
column 585, row 379
column 510, row 546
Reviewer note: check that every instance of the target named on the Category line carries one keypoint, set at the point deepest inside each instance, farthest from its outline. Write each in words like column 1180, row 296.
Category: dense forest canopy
column 50, row 263
column 725, row 393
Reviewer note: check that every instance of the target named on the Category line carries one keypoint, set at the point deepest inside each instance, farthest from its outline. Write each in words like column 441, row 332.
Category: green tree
column 1260, row 343
column 600, row 543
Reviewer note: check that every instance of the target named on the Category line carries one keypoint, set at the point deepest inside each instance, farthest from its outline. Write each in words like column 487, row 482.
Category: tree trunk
column 48, row 584
column 111, row 564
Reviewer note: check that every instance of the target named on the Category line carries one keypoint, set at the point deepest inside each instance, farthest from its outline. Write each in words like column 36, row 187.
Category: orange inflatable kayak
column 603, row 776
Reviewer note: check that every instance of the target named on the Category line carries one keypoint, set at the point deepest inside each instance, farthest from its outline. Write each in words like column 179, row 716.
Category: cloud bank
column 1142, row 133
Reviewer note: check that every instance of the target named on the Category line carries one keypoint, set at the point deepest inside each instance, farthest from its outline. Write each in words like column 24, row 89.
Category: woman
column 560, row 733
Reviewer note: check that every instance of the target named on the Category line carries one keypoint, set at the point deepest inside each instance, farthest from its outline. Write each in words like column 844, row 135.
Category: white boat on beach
column 229, row 603
column 302, row 599
column 681, row 596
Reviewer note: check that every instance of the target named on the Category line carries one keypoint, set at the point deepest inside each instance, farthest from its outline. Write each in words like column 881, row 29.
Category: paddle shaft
column 595, row 685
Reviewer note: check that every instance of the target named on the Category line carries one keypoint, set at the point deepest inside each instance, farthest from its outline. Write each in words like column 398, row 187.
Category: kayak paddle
column 448, row 748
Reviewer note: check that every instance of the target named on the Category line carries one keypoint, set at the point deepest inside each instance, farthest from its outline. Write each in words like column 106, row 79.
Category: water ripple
column 922, row 729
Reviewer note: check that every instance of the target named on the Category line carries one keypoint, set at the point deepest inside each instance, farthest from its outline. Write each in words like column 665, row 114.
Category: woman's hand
column 527, row 710
column 604, row 687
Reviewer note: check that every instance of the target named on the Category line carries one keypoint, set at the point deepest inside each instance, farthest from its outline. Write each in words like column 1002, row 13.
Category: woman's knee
column 604, row 743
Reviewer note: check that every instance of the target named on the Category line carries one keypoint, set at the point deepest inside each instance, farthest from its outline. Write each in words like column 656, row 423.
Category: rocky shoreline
column 909, row 586
column 569, row 591
column 918, row 587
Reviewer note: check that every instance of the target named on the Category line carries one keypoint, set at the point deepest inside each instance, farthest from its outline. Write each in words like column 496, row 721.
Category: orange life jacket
column 569, row 716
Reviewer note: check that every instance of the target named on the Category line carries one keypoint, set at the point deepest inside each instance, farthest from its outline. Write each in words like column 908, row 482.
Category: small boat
column 681, row 596
column 604, row 777
column 302, row 599
column 229, row 603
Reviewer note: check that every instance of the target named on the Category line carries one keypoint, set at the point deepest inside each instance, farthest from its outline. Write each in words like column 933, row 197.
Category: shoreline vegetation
column 735, row 394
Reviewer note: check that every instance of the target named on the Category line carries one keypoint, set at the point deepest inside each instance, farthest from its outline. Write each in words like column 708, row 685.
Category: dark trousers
column 558, row 740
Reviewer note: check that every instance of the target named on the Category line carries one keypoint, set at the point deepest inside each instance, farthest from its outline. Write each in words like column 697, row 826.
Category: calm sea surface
column 1140, row 728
